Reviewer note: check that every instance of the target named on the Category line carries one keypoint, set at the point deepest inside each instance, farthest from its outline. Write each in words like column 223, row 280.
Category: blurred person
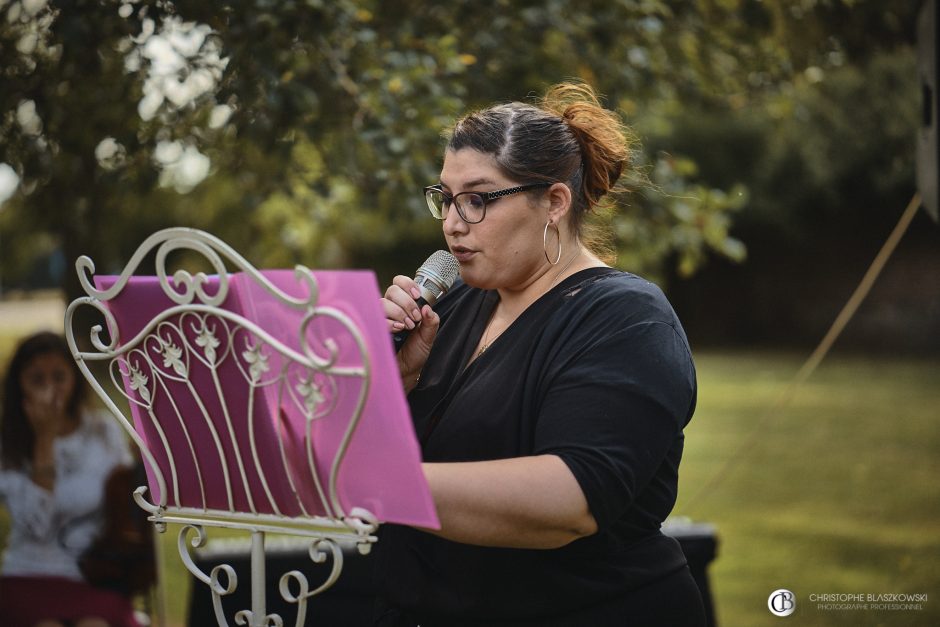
column 548, row 390
column 55, row 459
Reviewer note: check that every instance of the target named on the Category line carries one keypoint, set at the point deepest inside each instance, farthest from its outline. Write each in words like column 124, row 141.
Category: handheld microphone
column 435, row 276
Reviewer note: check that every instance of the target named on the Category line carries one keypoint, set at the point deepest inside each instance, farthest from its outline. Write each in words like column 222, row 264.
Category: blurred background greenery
column 777, row 132
column 778, row 136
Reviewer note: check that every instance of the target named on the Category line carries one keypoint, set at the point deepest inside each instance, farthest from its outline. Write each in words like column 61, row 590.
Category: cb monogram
column 781, row 602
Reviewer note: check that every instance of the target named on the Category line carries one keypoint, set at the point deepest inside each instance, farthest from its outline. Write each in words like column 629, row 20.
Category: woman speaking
column 549, row 392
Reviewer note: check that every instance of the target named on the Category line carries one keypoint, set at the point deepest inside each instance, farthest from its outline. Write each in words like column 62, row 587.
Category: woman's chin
column 473, row 279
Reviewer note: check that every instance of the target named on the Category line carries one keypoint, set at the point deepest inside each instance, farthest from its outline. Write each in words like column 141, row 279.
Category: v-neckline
column 488, row 302
column 470, row 356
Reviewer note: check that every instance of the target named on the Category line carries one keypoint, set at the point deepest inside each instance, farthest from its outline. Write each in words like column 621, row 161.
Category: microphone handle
column 399, row 338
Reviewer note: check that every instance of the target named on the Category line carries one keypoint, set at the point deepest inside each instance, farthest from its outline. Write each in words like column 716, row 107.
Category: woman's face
column 505, row 249
column 48, row 378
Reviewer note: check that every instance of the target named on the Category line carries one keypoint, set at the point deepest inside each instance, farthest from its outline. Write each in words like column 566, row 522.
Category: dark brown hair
column 17, row 438
column 568, row 137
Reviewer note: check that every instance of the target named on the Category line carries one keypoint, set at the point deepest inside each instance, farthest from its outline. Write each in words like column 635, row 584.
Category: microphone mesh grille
column 436, row 275
column 444, row 265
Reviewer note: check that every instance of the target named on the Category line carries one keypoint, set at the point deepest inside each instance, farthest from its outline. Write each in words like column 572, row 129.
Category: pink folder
column 248, row 392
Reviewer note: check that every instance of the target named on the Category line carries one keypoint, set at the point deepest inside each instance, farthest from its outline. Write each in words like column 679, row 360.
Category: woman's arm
column 524, row 502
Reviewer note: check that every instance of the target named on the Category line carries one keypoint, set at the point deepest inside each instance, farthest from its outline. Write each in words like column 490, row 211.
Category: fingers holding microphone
column 407, row 305
column 414, row 325
column 401, row 304
column 432, row 280
column 425, row 333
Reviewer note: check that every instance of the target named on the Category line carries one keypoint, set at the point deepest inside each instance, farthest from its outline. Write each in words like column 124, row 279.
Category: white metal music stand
column 188, row 470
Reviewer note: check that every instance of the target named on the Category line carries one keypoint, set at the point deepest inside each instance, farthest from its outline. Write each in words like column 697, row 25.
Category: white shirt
column 49, row 530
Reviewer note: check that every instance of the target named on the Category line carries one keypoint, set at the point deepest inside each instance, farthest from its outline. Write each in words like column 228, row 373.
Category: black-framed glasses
column 471, row 206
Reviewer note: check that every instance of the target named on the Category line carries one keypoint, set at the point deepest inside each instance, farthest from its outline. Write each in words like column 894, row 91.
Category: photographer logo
column 781, row 602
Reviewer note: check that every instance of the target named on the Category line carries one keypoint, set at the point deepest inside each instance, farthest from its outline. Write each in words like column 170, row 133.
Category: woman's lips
column 462, row 253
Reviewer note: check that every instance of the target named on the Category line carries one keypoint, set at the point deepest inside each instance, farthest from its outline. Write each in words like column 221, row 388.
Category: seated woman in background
column 55, row 457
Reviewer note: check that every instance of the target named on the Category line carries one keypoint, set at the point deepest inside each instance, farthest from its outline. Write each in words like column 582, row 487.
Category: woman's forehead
column 467, row 166
column 46, row 361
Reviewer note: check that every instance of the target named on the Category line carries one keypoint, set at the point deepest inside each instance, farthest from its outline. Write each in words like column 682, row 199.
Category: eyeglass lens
column 470, row 206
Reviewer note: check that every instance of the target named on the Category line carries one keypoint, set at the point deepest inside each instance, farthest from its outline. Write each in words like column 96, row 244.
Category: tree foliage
column 302, row 132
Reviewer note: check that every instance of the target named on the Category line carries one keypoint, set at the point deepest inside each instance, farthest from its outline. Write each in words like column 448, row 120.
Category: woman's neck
column 514, row 302
column 69, row 425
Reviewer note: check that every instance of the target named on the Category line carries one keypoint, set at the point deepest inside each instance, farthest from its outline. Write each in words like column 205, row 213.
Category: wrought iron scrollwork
column 155, row 367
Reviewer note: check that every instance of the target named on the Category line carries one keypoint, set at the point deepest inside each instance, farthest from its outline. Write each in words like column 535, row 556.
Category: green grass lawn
column 838, row 494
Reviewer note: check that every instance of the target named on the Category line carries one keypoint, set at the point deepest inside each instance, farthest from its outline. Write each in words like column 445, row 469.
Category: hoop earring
column 545, row 243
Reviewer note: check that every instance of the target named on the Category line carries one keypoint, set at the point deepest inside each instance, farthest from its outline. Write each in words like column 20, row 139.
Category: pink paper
column 381, row 469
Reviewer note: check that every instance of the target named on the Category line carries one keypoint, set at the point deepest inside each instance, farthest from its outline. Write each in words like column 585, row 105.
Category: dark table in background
column 348, row 603
column 699, row 542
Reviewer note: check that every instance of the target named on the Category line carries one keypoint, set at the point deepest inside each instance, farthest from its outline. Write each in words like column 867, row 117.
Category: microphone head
column 436, row 275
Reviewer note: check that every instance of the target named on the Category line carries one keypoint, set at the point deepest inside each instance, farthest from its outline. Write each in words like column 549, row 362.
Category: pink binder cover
column 381, row 469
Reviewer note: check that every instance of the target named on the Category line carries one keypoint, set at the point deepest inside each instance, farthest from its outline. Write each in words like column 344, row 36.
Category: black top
column 598, row 372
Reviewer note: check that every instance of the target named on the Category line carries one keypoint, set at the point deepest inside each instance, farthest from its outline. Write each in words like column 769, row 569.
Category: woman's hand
column 403, row 313
column 45, row 410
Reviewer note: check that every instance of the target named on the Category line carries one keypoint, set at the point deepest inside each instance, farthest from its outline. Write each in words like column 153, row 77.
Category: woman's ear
column 559, row 201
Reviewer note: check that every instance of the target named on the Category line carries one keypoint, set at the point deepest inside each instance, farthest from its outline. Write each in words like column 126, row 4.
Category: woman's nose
column 453, row 223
